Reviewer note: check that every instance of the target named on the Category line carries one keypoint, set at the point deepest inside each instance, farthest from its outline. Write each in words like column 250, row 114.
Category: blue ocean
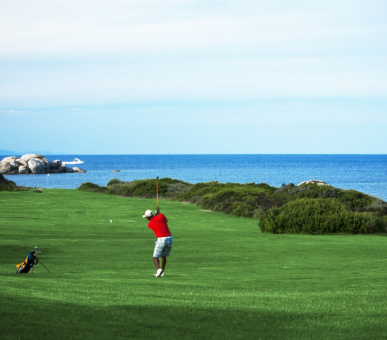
column 365, row 173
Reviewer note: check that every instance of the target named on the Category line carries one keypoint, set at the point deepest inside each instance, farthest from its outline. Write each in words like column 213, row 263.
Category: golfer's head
column 148, row 214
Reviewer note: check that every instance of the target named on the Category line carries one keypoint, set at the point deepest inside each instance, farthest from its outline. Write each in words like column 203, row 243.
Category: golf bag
column 27, row 264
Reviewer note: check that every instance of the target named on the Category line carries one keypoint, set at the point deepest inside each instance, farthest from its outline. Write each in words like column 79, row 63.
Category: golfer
column 163, row 246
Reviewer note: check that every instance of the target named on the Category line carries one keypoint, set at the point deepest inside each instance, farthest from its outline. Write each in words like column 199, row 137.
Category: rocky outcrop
column 28, row 156
column 76, row 169
column 33, row 164
column 5, row 167
column 313, row 181
column 37, row 166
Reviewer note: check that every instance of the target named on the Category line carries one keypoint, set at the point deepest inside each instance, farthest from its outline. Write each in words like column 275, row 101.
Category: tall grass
column 224, row 279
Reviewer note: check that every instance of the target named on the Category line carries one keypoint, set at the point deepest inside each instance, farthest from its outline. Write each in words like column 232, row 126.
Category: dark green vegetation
column 6, row 184
column 308, row 208
column 319, row 216
column 224, row 279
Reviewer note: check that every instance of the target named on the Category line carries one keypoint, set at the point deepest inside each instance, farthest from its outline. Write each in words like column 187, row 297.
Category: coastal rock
column 76, row 169
column 12, row 162
column 5, row 167
column 62, row 168
column 28, row 156
column 313, row 181
column 22, row 162
column 56, row 164
column 35, row 164
column 24, row 170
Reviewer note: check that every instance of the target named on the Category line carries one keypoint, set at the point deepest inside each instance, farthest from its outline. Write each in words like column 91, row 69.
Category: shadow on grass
column 13, row 253
column 25, row 318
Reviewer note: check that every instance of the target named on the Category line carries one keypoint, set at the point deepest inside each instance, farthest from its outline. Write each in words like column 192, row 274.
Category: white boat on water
column 75, row 161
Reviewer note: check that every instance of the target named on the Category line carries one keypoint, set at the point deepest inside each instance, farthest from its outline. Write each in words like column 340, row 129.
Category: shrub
column 199, row 190
column 240, row 201
column 291, row 192
column 222, row 197
column 147, row 188
column 115, row 181
column 167, row 187
column 91, row 187
column 378, row 206
column 354, row 200
column 6, row 185
column 242, row 210
column 318, row 216
column 88, row 186
column 176, row 189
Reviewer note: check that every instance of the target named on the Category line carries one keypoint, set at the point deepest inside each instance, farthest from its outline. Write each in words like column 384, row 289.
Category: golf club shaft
column 157, row 191
column 44, row 265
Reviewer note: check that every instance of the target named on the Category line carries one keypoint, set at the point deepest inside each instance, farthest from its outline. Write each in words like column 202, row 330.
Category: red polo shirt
column 159, row 226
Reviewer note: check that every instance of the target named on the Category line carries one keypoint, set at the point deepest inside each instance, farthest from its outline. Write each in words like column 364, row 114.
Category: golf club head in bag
column 35, row 259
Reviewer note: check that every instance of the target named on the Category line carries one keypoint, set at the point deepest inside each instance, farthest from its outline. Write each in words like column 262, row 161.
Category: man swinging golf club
column 163, row 245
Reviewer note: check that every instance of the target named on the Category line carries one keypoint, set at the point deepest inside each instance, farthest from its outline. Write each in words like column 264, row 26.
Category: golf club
column 157, row 192
column 44, row 266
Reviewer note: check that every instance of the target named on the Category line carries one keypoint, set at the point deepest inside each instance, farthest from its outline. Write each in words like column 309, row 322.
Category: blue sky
column 182, row 77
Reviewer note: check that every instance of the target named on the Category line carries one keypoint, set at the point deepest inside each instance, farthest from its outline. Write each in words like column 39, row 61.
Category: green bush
column 291, row 192
column 318, row 216
column 354, row 200
column 115, row 181
column 176, row 189
column 199, row 190
column 6, row 185
column 91, row 187
column 167, row 187
column 88, row 186
column 242, row 210
column 243, row 200
column 222, row 197
column 377, row 206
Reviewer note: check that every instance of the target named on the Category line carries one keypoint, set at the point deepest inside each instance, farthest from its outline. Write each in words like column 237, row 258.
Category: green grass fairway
column 224, row 279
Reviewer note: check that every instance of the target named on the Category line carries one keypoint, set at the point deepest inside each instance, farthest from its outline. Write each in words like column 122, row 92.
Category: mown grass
column 224, row 279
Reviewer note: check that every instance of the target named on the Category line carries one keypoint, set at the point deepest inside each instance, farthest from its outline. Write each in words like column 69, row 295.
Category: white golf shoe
column 159, row 272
